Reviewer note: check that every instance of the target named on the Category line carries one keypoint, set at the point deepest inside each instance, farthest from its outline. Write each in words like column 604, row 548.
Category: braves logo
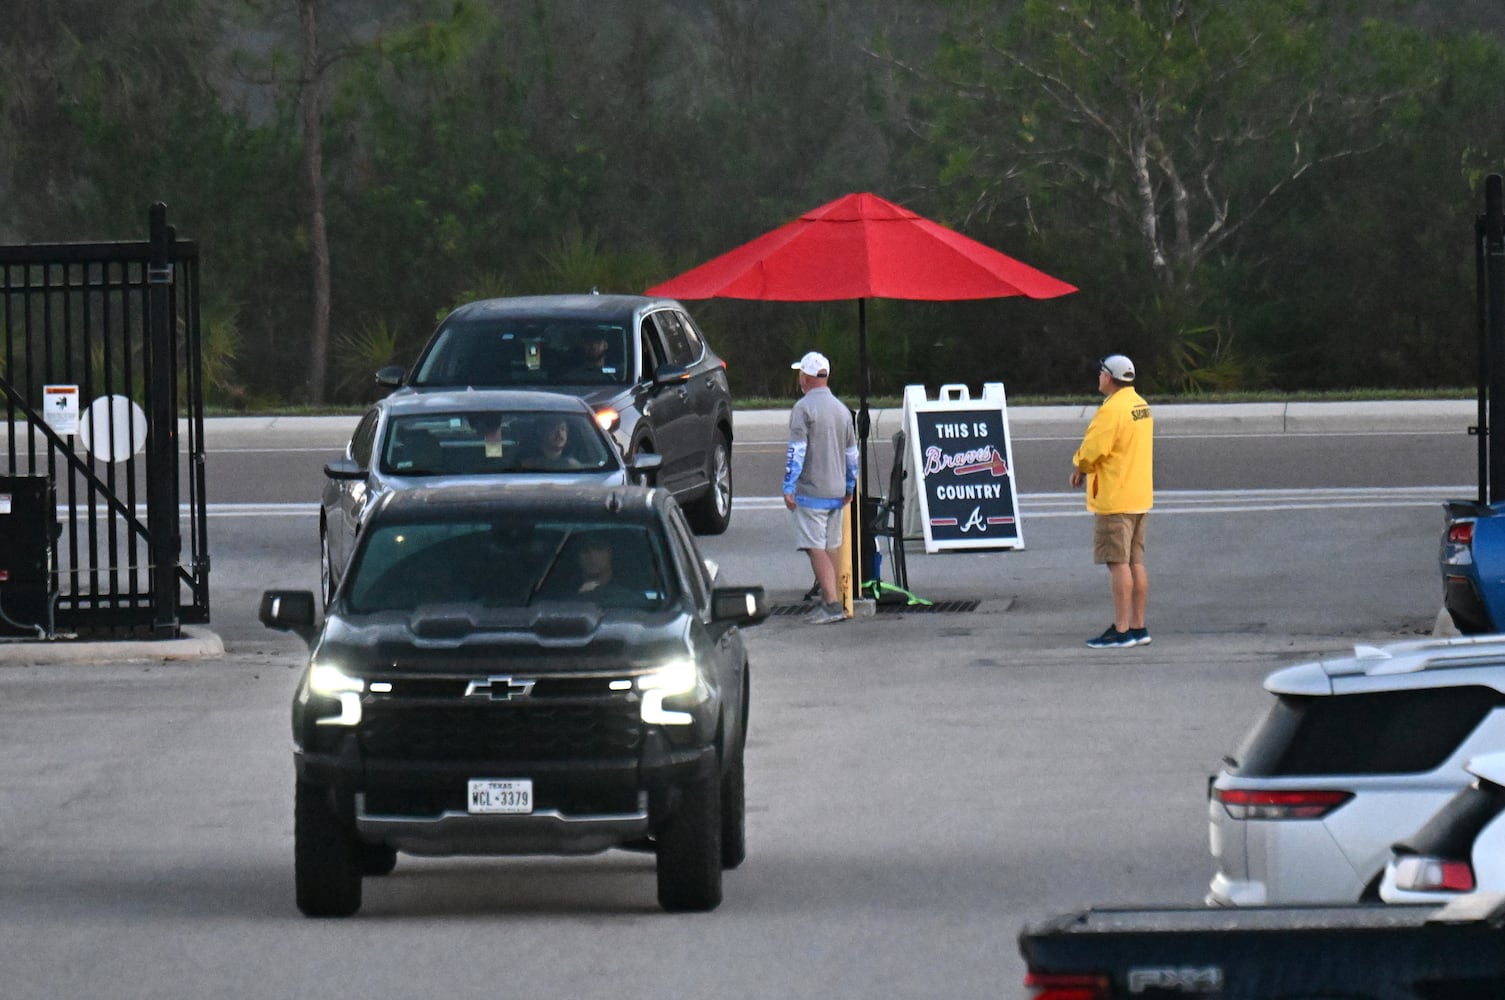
column 963, row 463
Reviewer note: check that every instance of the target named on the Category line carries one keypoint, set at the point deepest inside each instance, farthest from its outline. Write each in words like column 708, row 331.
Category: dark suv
column 641, row 363
column 541, row 671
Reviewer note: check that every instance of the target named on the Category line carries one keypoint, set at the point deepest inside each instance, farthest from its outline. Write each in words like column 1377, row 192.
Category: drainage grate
column 939, row 607
column 896, row 607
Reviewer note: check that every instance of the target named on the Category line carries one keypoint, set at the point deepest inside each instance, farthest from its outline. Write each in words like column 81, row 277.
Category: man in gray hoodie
column 820, row 478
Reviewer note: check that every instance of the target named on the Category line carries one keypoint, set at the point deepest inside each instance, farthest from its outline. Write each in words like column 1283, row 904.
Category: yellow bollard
column 845, row 585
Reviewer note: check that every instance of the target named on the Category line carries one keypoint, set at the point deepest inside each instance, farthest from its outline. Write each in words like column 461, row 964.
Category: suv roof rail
column 1412, row 656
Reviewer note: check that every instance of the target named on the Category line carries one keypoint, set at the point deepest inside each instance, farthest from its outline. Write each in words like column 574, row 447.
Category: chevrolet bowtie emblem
column 499, row 688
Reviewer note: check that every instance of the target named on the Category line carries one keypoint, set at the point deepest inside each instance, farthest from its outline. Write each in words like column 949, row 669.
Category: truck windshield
column 402, row 566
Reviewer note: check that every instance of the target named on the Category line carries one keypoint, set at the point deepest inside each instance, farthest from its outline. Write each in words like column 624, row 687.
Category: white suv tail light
column 1421, row 874
column 1291, row 804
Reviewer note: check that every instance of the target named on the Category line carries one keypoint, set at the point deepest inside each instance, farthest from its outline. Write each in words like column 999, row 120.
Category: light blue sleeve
column 794, row 464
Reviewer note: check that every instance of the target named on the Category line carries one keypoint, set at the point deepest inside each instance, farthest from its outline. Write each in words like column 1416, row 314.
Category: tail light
column 1296, row 804
column 1421, row 874
column 1066, row 986
column 1458, row 544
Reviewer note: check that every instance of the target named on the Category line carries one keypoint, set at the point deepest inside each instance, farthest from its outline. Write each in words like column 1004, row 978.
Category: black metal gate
column 114, row 326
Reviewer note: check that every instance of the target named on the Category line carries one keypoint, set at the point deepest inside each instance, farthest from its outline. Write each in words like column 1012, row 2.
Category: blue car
column 1473, row 566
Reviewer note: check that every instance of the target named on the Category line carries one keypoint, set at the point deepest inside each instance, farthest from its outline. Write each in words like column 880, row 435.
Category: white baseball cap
column 1120, row 368
column 814, row 364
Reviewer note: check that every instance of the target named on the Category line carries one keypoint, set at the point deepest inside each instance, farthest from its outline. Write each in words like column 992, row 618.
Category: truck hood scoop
column 546, row 621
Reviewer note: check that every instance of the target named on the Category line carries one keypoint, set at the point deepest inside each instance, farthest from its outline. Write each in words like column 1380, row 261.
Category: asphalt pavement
column 1171, row 419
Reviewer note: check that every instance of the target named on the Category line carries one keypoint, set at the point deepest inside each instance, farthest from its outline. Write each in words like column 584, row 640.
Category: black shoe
column 1141, row 636
column 1112, row 639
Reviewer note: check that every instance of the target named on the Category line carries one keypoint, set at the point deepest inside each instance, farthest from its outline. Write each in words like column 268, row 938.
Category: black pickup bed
column 1356, row 952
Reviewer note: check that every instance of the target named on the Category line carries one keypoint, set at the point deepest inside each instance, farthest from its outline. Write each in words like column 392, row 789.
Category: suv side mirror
column 670, row 374
column 289, row 611
column 389, row 377
column 644, row 468
column 739, row 605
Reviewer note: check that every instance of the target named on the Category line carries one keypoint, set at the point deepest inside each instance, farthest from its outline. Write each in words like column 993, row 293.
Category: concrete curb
column 194, row 644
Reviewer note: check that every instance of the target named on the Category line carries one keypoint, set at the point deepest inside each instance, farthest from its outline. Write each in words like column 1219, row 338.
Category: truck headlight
column 332, row 682
column 678, row 677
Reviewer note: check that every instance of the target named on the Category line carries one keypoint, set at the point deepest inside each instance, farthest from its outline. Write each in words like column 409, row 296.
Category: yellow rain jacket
column 1118, row 455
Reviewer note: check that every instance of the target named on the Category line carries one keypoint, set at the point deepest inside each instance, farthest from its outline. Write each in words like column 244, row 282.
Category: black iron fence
column 101, row 373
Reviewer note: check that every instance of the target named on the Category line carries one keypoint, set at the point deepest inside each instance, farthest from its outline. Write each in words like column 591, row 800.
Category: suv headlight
column 329, row 681
column 676, row 678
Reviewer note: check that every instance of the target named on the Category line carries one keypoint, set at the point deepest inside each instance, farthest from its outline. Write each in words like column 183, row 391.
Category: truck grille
column 517, row 730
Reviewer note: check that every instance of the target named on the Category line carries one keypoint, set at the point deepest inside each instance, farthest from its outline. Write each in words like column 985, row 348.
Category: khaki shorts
column 818, row 529
column 1118, row 538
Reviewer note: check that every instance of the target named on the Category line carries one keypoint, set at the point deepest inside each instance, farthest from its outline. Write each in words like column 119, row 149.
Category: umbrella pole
column 859, row 528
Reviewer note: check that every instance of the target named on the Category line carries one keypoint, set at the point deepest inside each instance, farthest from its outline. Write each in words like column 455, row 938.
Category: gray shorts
column 818, row 529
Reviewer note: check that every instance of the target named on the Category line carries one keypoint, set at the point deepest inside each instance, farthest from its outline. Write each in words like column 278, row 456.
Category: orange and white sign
column 60, row 408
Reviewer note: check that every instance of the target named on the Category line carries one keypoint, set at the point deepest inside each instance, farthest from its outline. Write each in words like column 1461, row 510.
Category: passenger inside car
column 551, row 447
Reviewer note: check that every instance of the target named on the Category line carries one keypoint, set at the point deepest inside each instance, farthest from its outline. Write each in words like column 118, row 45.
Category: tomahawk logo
column 1184, row 979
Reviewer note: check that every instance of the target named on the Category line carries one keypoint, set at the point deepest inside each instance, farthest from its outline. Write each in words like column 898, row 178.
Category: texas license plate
column 491, row 795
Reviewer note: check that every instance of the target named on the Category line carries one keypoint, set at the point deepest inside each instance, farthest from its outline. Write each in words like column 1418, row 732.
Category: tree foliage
column 1248, row 193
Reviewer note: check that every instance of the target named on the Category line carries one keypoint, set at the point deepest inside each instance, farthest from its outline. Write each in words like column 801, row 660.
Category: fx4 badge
column 1194, row 979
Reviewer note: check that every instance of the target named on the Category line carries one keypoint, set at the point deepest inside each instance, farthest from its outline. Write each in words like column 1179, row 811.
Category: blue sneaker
column 1111, row 639
column 1141, row 636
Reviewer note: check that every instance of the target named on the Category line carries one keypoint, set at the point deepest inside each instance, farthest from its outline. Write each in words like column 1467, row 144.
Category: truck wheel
column 326, row 856
column 689, row 850
column 377, row 859
column 711, row 514
column 734, row 813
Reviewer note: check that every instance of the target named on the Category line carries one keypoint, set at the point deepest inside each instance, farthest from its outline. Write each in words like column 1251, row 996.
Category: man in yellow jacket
column 1116, row 461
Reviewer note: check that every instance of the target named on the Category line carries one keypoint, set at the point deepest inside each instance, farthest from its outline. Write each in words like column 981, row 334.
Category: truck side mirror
column 290, row 611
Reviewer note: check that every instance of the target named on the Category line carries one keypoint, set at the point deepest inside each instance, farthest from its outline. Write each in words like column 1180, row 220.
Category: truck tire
column 734, row 812
column 689, row 850
column 326, row 856
column 712, row 513
column 377, row 859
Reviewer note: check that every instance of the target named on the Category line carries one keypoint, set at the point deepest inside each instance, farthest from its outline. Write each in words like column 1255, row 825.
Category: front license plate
column 491, row 795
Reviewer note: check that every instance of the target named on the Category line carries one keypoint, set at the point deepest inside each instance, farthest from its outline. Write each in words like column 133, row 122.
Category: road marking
column 1061, row 504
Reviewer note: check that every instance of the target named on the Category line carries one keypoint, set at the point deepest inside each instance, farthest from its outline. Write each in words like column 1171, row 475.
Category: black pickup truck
column 1453, row 951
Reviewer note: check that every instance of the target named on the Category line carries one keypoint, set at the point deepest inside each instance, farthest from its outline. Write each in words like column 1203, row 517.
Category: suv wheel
column 711, row 514
column 326, row 568
column 326, row 856
column 689, row 850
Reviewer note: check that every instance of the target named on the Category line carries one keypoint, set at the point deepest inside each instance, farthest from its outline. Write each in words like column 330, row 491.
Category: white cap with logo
column 814, row 364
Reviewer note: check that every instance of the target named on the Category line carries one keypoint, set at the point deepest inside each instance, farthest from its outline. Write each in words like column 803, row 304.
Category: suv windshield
column 502, row 564
column 555, row 350
column 494, row 441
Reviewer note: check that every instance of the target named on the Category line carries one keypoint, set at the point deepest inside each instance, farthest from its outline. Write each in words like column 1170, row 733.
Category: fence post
column 162, row 431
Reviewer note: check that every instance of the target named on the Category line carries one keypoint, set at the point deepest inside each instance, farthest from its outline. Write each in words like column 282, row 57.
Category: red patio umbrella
column 861, row 247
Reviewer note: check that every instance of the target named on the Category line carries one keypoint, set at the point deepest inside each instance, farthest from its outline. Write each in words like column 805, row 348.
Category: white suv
column 1355, row 754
